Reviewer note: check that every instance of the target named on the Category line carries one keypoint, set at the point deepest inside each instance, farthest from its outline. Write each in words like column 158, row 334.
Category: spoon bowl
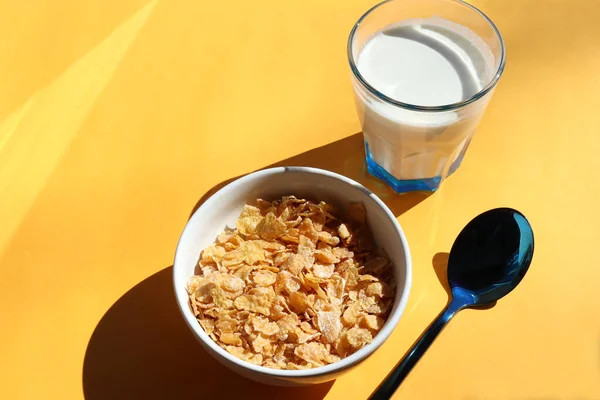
column 487, row 261
column 490, row 256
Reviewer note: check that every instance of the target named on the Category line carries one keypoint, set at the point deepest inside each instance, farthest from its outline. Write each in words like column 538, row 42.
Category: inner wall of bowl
column 223, row 209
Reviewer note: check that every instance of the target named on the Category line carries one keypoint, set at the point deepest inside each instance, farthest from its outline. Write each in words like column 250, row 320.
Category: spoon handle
column 389, row 385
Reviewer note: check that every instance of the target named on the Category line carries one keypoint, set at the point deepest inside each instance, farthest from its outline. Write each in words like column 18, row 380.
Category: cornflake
column 295, row 285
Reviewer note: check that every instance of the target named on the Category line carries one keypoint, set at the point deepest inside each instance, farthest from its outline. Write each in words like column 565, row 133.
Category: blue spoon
column 488, row 260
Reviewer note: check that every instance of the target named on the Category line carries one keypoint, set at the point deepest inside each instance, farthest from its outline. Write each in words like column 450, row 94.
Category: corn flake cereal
column 294, row 285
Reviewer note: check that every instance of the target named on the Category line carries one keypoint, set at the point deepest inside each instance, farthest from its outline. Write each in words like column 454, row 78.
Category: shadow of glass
column 142, row 349
column 346, row 157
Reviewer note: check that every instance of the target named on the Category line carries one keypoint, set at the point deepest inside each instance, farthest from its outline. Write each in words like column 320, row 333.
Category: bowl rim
column 337, row 366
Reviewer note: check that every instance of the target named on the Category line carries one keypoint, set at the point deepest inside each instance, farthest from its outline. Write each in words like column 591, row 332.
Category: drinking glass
column 415, row 147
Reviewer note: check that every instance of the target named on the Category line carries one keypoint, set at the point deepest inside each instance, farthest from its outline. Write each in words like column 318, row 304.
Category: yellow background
column 117, row 117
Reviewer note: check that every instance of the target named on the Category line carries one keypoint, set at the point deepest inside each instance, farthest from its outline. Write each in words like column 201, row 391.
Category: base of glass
column 407, row 185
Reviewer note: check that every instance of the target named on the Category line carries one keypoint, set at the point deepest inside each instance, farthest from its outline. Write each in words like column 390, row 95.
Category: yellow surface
column 117, row 117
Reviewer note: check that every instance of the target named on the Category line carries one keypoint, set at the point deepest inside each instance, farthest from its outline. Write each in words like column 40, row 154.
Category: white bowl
column 223, row 208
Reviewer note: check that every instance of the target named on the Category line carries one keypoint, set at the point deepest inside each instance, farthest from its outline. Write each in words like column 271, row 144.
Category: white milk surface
column 426, row 63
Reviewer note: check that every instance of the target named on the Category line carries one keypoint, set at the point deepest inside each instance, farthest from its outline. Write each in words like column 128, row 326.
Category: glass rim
column 444, row 107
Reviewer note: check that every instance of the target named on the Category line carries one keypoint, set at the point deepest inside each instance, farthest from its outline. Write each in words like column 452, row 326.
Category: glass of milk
column 423, row 73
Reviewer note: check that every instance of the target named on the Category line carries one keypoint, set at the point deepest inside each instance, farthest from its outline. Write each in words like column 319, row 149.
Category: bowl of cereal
column 292, row 275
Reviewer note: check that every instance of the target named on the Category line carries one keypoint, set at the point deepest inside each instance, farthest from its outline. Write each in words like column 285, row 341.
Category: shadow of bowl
column 142, row 349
